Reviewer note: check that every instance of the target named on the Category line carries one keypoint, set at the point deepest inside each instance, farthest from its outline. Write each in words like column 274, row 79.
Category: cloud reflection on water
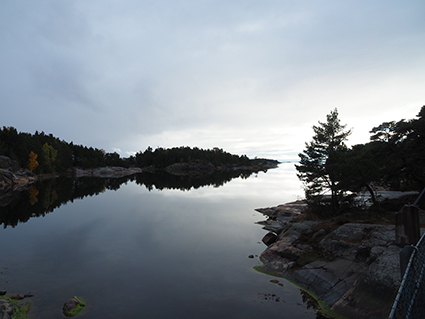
column 276, row 186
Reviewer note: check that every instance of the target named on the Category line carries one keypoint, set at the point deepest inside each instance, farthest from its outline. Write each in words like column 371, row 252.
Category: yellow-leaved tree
column 32, row 193
column 32, row 161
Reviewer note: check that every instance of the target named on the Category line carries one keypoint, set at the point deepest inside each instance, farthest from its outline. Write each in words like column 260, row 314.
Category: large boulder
column 269, row 238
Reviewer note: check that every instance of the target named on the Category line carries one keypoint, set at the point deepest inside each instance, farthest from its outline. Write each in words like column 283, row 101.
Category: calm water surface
column 139, row 253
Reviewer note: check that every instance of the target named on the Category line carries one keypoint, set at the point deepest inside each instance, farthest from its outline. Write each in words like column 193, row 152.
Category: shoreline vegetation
column 25, row 158
column 17, row 179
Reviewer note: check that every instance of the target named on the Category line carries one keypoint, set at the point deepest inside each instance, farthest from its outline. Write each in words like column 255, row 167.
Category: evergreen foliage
column 394, row 159
column 44, row 153
column 400, row 149
column 53, row 154
column 161, row 158
column 319, row 163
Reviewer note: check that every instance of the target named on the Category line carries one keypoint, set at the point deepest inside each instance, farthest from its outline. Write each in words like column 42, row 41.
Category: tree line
column 393, row 159
column 43, row 154
column 162, row 158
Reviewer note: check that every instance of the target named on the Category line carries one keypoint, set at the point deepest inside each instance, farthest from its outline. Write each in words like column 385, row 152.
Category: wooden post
column 407, row 228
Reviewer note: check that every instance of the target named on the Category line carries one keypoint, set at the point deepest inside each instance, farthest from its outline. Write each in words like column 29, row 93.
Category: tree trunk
column 371, row 192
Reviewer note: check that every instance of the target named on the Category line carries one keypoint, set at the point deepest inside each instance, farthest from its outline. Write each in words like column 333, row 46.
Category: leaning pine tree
column 318, row 168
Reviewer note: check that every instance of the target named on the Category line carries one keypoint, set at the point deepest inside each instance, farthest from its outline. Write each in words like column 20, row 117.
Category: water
column 135, row 253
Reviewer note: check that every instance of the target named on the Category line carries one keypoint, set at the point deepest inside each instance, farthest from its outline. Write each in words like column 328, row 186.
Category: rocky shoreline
column 13, row 177
column 351, row 269
column 105, row 172
column 14, row 306
column 7, row 309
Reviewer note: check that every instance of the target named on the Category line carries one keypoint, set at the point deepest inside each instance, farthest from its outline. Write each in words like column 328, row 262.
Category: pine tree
column 318, row 165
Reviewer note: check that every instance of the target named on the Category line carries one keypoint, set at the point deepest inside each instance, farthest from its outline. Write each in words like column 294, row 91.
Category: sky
column 250, row 77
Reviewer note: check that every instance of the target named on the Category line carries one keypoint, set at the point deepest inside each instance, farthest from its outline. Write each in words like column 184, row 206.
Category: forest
column 45, row 154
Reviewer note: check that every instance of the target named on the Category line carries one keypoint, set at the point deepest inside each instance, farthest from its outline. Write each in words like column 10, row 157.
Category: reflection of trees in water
column 309, row 301
column 45, row 196
column 163, row 180
column 312, row 303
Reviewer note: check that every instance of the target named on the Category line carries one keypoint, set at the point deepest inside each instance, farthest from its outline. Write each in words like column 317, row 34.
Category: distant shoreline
column 15, row 178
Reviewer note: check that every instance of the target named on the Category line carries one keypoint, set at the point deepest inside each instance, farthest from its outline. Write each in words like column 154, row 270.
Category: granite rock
column 360, row 281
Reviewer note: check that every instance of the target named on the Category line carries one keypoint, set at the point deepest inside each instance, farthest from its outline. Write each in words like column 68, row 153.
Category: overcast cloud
column 251, row 77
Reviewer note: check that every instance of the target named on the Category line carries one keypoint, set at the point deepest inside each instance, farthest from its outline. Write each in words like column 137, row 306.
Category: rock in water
column 73, row 307
column 269, row 239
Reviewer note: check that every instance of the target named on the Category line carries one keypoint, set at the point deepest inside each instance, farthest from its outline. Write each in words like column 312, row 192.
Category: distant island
column 25, row 157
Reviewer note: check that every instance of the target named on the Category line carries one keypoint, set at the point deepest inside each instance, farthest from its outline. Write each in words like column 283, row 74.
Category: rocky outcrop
column 195, row 168
column 105, row 172
column 12, row 176
column 14, row 306
column 353, row 269
column 279, row 216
